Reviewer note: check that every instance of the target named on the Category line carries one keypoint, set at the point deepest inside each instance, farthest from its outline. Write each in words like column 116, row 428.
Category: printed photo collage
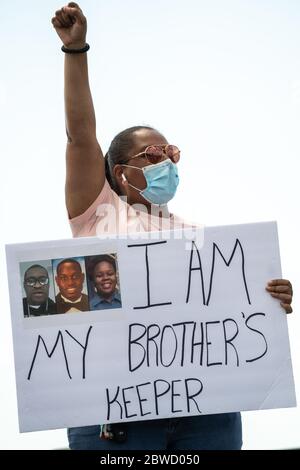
column 70, row 285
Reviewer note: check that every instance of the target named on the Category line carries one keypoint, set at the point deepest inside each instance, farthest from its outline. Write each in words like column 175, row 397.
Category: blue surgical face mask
column 162, row 181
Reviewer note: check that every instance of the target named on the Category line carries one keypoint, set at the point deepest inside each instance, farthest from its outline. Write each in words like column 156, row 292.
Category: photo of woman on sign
column 103, row 279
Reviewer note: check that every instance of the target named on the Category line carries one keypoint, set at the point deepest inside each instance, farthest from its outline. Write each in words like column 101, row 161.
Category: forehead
column 103, row 265
column 36, row 272
column 144, row 137
column 69, row 267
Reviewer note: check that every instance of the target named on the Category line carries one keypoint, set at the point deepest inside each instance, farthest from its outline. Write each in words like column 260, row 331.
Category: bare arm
column 85, row 164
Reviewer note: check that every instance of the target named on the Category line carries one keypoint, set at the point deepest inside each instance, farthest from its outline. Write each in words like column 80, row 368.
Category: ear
column 120, row 178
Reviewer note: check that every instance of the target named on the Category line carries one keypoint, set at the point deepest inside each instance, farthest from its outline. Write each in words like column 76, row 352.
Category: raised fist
column 70, row 25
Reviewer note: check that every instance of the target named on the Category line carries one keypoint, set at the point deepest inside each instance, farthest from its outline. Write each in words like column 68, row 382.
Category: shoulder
column 117, row 296
column 95, row 300
column 106, row 207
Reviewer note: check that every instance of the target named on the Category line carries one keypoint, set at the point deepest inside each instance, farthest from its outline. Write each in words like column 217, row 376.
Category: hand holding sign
column 282, row 289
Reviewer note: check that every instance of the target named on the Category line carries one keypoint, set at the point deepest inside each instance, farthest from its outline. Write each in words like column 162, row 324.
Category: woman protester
column 139, row 168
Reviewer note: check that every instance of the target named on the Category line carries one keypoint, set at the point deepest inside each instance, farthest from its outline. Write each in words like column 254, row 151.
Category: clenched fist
column 71, row 26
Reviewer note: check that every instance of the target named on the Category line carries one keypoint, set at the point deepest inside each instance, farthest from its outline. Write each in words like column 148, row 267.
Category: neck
column 71, row 300
column 152, row 209
column 107, row 297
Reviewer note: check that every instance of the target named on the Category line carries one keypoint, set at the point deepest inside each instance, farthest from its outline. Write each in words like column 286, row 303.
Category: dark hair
column 35, row 266
column 118, row 151
column 68, row 260
column 94, row 260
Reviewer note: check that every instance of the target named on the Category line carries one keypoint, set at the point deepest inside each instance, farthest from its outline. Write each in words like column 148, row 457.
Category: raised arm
column 85, row 173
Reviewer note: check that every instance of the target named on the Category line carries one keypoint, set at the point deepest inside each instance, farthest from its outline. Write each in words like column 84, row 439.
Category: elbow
column 69, row 138
column 81, row 137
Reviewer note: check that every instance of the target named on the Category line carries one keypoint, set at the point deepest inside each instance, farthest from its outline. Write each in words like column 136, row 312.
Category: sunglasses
column 156, row 153
column 31, row 281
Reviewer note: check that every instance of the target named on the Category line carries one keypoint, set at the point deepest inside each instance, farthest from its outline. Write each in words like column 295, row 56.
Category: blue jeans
column 205, row 432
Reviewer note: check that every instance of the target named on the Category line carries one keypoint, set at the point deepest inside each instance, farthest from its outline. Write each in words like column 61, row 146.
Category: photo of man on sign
column 36, row 285
column 70, row 280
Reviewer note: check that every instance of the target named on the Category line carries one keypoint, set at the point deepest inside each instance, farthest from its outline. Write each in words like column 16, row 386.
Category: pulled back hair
column 119, row 150
column 94, row 260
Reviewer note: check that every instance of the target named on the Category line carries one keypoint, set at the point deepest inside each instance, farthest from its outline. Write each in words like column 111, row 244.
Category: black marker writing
column 41, row 339
column 229, row 340
column 141, row 400
column 135, row 342
column 216, row 248
column 259, row 333
column 207, row 344
column 195, row 344
column 173, row 395
column 60, row 339
column 205, row 301
column 199, row 268
column 167, row 343
column 83, row 347
column 149, row 304
column 191, row 396
column 110, row 402
column 129, row 402
column 161, row 388
column 126, row 402
column 184, row 325
column 153, row 331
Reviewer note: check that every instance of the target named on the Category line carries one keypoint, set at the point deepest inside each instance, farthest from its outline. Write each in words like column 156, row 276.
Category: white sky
column 219, row 79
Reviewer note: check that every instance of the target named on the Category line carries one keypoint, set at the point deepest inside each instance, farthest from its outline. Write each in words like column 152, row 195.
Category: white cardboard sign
column 194, row 331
